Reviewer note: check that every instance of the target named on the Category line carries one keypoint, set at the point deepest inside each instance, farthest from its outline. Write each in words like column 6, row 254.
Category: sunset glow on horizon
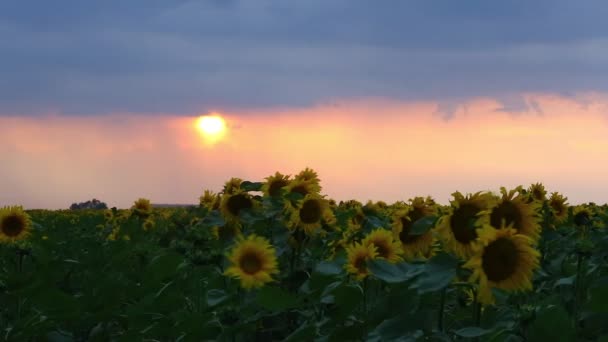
column 362, row 149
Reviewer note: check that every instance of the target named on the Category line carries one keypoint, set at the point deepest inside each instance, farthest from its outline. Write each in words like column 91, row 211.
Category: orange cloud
column 367, row 149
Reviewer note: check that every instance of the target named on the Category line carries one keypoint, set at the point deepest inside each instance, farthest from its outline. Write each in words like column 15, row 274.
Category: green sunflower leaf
column 423, row 225
column 393, row 273
column 470, row 332
column 330, row 267
column 565, row 281
column 215, row 297
column 437, row 273
column 251, row 186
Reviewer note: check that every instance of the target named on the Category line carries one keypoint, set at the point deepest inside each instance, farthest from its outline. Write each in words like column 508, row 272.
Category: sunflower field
column 278, row 261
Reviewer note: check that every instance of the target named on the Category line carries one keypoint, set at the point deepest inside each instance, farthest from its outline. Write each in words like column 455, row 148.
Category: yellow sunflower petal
column 253, row 261
column 513, row 211
column 357, row 256
column 15, row 224
column 457, row 229
column 503, row 259
column 386, row 246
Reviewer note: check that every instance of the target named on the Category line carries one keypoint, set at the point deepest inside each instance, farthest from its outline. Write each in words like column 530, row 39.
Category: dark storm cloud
column 184, row 56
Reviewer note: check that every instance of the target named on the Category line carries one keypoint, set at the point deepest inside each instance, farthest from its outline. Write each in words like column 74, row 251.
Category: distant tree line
column 92, row 204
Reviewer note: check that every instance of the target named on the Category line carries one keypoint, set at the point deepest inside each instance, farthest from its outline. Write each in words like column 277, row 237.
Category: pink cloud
column 366, row 149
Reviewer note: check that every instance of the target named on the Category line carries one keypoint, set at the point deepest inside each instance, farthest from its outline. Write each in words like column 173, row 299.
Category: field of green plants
column 278, row 261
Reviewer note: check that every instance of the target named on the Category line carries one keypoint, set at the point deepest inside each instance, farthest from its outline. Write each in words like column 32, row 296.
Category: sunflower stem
column 546, row 224
column 298, row 255
column 477, row 313
column 579, row 262
column 365, row 298
column 441, row 309
column 20, row 260
column 292, row 260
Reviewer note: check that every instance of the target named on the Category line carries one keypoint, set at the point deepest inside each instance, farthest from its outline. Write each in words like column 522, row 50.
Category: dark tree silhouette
column 92, row 204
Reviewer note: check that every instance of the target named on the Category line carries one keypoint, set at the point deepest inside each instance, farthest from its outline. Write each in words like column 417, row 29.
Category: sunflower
column 15, row 224
column 148, row 224
column 511, row 211
column 350, row 204
column 559, row 207
column 424, row 204
column 537, row 192
column 142, row 207
column 376, row 209
column 253, row 261
column 582, row 215
column 332, row 204
column 353, row 215
column 458, row 228
column 114, row 234
column 357, row 256
column 309, row 175
column 233, row 203
column 386, row 246
column 503, row 259
column 273, row 185
column 208, row 200
column 232, row 186
column 108, row 214
column 142, row 204
column 403, row 218
column 302, row 187
column 310, row 213
column 382, row 205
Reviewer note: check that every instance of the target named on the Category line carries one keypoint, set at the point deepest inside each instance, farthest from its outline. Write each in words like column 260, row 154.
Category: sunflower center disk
column 500, row 260
column 251, row 264
column 358, row 218
column 382, row 249
column 275, row 187
column 360, row 264
column 558, row 207
column 236, row 203
column 12, row 225
column 310, row 212
column 300, row 189
column 463, row 223
column 508, row 213
column 404, row 235
column 581, row 218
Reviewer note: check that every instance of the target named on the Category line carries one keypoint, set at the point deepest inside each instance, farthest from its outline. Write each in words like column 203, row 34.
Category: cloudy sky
column 387, row 100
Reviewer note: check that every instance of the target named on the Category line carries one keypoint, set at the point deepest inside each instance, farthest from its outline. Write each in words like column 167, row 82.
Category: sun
column 212, row 127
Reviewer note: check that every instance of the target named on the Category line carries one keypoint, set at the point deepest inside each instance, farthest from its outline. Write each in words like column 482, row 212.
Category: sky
column 386, row 100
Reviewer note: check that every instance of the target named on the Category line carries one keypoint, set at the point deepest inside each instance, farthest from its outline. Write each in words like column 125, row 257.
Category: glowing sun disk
column 211, row 126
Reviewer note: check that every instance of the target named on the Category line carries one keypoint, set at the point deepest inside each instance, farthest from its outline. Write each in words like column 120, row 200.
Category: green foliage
column 100, row 276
